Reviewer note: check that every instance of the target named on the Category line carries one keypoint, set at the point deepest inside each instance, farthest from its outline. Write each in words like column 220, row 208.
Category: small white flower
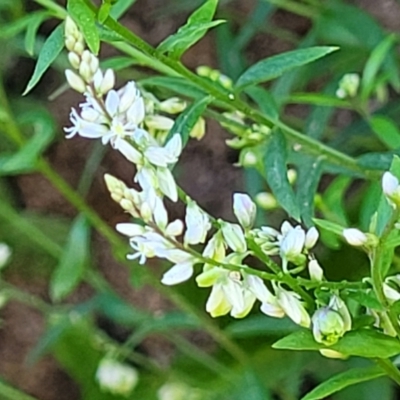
column 244, row 209
column 355, row 237
column 348, row 86
column 234, row 236
column 293, row 307
column 116, row 378
column 391, row 294
column 197, row 224
column 291, row 245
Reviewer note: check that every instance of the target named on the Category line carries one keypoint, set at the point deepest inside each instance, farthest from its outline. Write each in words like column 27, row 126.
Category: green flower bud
column 328, row 326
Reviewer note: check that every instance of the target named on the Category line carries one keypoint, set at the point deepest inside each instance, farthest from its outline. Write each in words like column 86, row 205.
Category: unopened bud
column 159, row 122
column 391, row 189
column 199, row 129
column 312, row 236
column 75, row 81
column 74, row 59
column 348, row 86
column 233, row 236
column 315, row 271
column 108, row 81
column 355, row 237
column 5, row 255
column 328, row 326
column 115, row 377
column 174, row 105
column 244, row 209
column 266, row 200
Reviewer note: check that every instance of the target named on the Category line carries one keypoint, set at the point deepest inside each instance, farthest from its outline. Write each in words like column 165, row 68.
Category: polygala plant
column 248, row 269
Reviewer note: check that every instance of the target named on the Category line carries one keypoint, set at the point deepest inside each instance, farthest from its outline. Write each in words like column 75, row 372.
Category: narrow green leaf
column 25, row 159
column 386, row 130
column 117, row 63
column 374, row 63
column 187, row 120
column 120, row 7
column 104, row 12
column 275, row 66
column 31, row 31
column 196, row 27
column 362, row 343
column 51, row 49
column 73, row 261
column 306, row 186
column 86, row 21
column 276, row 174
column 13, row 28
column 342, row 380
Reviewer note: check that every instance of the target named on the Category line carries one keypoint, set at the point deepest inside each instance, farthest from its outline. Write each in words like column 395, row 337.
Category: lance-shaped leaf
column 276, row 174
column 73, row 261
column 362, row 343
column 196, row 27
column 86, row 21
column 25, row 160
column 51, row 49
column 275, row 66
column 342, row 380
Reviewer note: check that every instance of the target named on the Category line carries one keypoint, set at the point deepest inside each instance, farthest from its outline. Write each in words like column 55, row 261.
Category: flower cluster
column 131, row 121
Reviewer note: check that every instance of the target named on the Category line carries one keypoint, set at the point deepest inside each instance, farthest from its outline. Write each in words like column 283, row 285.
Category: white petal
column 112, row 102
column 177, row 274
column 167, row 183
column 130, row 230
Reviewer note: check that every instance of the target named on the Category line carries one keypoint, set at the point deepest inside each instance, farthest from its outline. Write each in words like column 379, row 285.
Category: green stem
column 389, row 368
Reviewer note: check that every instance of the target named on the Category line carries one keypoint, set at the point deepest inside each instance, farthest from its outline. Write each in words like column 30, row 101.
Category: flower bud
column 315, row 271
column 248, row 158
column 199, row 129
column 312, row 236
column 355, row 237
column 329, row 353
column 173, row 105
column 244, row 209
column 391, row 189
column 197, row 224
column 108, row 81
column 115, row 377
column 266, row 200
column 348, row 86
column 74, row 59
column 75, row 81
column 85, row 71
column 328, row 326
column 78, row 48
column 292, row 176
column 71, row 29
column 233, row 236
column 293, row 307
column 159, row 122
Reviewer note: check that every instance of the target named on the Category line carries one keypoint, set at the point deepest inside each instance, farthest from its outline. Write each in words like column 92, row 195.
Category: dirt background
column 207, row 175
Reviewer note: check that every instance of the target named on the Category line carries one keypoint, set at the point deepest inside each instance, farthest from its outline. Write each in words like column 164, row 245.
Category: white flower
column 328, row 326
column 391, row 188
column 116, row 378
column 291, row 245
column 391, row 294
column 244, row 209
column 348, row 86
column 197, row 224
column 355, row 237
column 234, row 236
column 130, row 230
column 293, row 307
